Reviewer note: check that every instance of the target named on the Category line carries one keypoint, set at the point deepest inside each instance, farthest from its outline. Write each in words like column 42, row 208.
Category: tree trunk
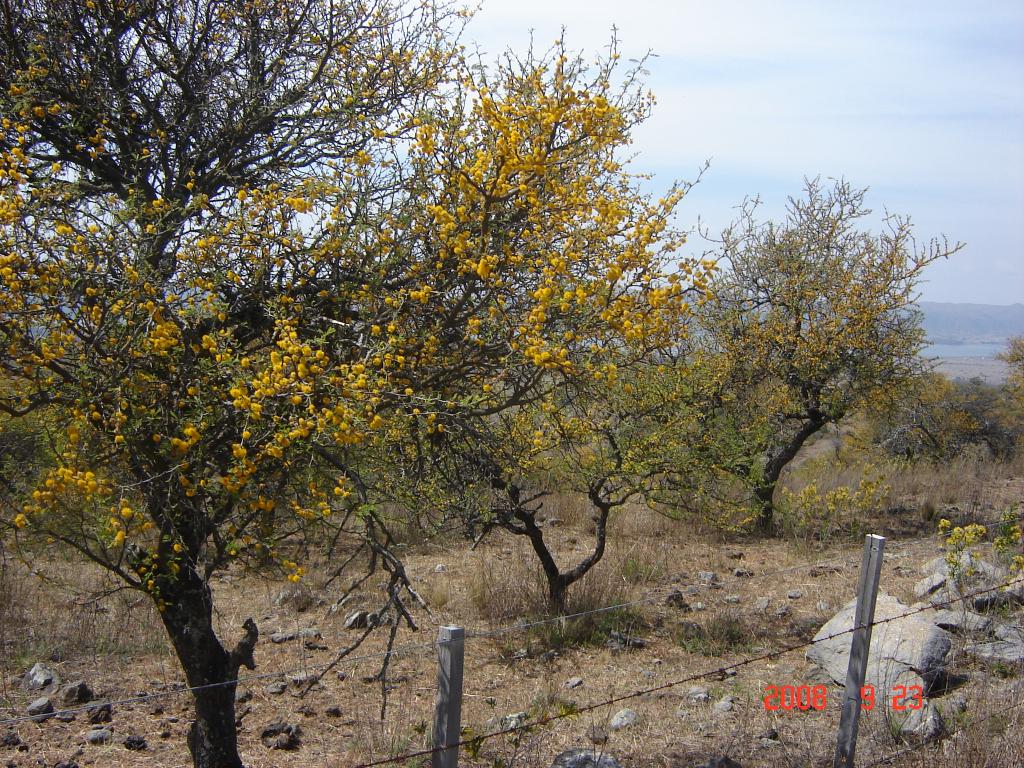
column 763, row 496
column 764, row 492
column 208, row 665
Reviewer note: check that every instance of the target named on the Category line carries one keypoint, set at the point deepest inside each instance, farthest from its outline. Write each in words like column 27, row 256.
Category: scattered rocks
column 584, row 758
column 619, row 641
column 76, row 693
column 135, row 743
column 905, row 651
column 281, row 735
column 38, row 678
column 40, row 709
column 623, row 719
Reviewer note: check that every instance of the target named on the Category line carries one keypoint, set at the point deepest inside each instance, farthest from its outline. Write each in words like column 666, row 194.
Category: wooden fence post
column 864, row 616
column 448, row 702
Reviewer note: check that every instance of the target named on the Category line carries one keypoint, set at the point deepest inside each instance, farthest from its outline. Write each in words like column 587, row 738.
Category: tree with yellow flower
column 256, row 255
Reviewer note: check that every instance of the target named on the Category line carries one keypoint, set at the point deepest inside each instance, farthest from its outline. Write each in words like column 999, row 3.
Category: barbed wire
column 306, row 668
column 574, row 712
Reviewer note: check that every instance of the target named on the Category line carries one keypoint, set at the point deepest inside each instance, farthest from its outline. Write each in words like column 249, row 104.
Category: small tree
column 812, row 319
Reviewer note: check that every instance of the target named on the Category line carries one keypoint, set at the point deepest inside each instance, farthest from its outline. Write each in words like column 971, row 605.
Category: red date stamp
column 786, row 698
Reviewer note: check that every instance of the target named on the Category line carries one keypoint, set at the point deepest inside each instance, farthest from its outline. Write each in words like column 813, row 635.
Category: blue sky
column 922, row 102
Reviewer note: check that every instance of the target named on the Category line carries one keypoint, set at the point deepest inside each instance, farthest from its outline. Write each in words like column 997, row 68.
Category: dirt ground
column 114, row 643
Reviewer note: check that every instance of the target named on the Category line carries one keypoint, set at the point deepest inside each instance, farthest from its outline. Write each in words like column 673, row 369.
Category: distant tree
column 1013, row 356
column 812, row 318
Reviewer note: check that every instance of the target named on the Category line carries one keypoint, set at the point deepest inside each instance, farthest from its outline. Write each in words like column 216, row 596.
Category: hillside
column 949, row 323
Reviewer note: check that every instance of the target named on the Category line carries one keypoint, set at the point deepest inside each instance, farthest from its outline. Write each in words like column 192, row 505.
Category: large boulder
column 904, row 651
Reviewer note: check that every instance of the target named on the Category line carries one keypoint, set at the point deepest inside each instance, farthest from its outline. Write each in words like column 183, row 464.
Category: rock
column 1010, row 632
column 956, row 705
column 276, row 688
column 1008, row 651
column 281, row 735
column 726, row 704
column 76, row 693
column 906, row 651
column 440, row 568
column 929, row 584
column 676, row 599
column 731, row 599
column 698, row 695
column 40, row 709
column 97, row 736
column 333, row 712
column 309, row 633
column 707, row 577
column 100, row 713
column 742, row 573
column 794, row 594
column 584, row 758
column 920, row 726
column 508, row 722
column 574, row 682
column 597, row 735
column 39, row 677
column 957, row 619
column 699, row 607
column 968, row 566
column 357, row 620
column 64, row 716
column 623, row 719
column 781, row 612
column 761, row 604
column 282, row 637
column 619, row 641
column 135, row 743
column 823, row 606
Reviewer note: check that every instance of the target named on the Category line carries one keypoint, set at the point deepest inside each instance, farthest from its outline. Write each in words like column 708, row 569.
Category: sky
column 920, row 102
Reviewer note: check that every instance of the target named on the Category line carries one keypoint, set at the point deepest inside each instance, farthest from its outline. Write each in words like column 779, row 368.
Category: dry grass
column 121, row 651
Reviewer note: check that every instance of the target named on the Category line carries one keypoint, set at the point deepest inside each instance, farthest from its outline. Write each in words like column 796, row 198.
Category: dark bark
column 210, row 669
column 764, row 492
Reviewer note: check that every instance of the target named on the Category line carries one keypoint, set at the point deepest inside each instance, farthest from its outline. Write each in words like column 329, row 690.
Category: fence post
column 448, row 702
column 864, row 616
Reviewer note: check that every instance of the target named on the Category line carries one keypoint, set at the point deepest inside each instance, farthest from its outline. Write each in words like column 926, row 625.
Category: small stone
column 781, row 612
column 440, row 568
column 731, row 599
column 676, row 599
column 65, row 716
column 281, row 735
column 41, row 709
column 574, row 682
column 10, row 739
column 923, row 725
column 244, row 696
column 100, row 713
column 282, row 637
column 707, row 577
column 623, row 719
column 357, row 620
column 698, row 695
column 333, row 711
column 742, row 573
column 726, row 704
column 699, row 607
column 135, row 743
column 597, row 735
column 794, row 594
column 39, row 677
column 824, row 606
column 276, row 688
column 309, row 633
column 99, row 736
column 761, row 604
column 76, row 693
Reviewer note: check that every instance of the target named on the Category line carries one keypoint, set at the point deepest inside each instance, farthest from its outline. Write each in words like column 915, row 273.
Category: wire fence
column 177, row 689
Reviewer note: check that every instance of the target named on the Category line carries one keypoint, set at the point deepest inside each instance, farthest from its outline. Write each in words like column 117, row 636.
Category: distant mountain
column 947, row 323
